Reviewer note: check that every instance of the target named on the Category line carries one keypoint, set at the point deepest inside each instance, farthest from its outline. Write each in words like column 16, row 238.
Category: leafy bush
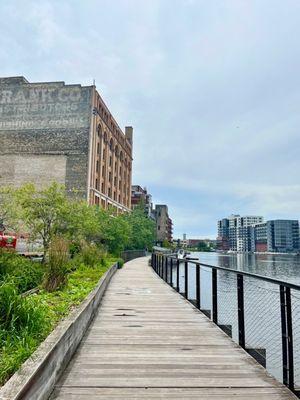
column 57, row 265
column 92, row 255
column 24, row 322
column 24, row 273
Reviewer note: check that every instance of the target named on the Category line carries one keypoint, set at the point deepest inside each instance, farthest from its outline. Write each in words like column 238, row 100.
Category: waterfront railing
column 129, row 255
column 261, row 314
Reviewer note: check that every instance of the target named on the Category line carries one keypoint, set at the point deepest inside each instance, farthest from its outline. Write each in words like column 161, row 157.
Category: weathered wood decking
column 147, row 342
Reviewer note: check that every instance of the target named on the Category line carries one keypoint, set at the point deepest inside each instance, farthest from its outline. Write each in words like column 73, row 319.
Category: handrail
column 168, row 267
column 250, row 274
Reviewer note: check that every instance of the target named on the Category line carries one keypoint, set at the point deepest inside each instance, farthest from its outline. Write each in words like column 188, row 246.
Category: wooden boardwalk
column 147, row 342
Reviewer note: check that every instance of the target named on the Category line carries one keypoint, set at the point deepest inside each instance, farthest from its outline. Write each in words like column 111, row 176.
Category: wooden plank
column 147, row 342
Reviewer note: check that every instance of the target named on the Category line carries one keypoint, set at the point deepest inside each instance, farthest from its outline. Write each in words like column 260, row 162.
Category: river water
column 280, row 266
column 261, row 300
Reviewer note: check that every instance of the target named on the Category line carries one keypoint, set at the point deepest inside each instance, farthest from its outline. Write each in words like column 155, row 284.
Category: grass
column 29, row 320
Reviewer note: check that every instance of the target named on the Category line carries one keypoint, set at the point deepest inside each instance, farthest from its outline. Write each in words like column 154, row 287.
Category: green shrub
column 25, row 273
column 24, row 322
column 57, row 265
column 19, row 313
column 92, row 255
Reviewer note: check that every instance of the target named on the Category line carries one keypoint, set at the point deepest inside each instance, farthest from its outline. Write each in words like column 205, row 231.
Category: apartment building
column 234, row 232
column 164, row 224
column 140, row 196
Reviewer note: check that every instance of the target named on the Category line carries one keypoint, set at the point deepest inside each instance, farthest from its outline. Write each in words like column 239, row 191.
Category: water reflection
column 283, row 267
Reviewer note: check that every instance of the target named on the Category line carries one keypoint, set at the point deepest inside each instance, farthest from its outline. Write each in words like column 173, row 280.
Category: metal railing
column 261, row 314
column 129, row 255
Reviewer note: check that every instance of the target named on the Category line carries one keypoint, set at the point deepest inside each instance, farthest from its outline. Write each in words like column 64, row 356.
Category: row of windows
column 117, row 154
column 120, row 137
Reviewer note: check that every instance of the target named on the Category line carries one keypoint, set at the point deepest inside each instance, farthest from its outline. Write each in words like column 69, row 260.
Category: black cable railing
column 261, row 314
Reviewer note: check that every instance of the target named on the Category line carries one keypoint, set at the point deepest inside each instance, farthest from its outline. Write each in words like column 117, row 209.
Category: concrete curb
column 36, row 378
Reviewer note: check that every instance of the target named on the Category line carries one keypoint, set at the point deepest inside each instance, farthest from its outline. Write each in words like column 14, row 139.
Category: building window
column 97, row 166
column 109, row 192
column 102, row 187
column 110, row 161
column 99, row 130
column 98, row 148
column 109, row 177
column 97, row 184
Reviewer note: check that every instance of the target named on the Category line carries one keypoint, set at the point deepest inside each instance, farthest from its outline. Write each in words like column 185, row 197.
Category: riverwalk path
column 148, row 342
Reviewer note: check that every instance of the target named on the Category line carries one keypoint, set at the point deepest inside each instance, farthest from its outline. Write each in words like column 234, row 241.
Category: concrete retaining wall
column 36, row 378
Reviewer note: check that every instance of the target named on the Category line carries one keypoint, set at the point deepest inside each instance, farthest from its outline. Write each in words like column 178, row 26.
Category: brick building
column 55, row 132
column 140, row 196
column 164, row 224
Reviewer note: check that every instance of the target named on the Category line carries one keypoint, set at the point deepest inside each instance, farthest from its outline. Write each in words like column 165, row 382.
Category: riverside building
column 250, row 233
column 234, row 232
column 51, row 131
column 164, row 224
column 276, row 236
column 140, row 196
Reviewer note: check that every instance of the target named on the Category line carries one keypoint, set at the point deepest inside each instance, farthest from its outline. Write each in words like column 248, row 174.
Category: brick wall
column 44, row 133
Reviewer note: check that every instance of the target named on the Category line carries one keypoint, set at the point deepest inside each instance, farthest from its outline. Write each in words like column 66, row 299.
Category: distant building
column 234, row 232
column 140, row 196
column 164, row 224
column 283, row 235
column 50, row 131
column 197, row 242
column 259, row 238
column 250, row 233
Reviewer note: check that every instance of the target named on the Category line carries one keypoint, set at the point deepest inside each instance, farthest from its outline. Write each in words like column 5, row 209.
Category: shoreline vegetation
column 80, row 243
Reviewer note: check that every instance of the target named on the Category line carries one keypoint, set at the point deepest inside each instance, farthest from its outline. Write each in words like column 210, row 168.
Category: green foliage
column 57, row 265
column 142, row 230
column 24, row 323
column 92, row 255
column 115, row 231
column 203, row 246
column 166, row 244
column 24, row 273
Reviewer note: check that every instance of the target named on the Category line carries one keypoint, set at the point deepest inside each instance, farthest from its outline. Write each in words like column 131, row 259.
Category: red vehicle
column 8, row 241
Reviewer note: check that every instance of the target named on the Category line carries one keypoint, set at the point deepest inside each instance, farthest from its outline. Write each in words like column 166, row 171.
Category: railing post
column 177, row 276
column 186, row 279
column 198, row 301
column 287, row 337
column 166, row 269
column 215, row 296
column 241, row 310
column 160, row 262
column 171, row 272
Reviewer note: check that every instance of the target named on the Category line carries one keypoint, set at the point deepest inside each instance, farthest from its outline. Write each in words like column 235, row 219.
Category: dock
column 148, row 342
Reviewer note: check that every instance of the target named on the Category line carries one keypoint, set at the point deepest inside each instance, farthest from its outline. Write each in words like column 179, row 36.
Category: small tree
column 115, row 230
column 9, row 210
column 43, row 212
column 142, row 229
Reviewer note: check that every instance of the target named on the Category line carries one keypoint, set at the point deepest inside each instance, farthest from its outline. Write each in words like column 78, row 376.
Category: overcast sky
column 211, row 87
